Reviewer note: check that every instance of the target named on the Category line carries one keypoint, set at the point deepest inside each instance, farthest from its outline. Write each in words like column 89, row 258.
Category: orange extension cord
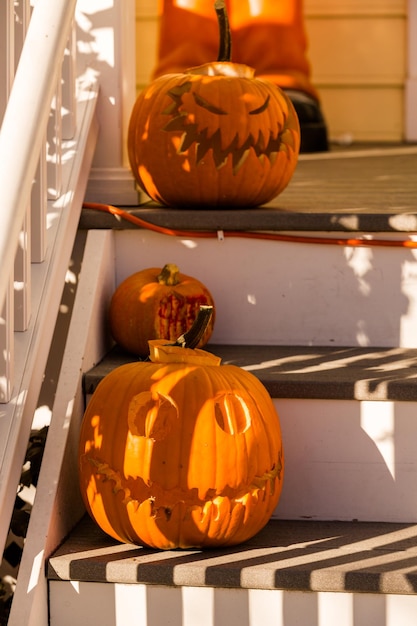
column 355, row 242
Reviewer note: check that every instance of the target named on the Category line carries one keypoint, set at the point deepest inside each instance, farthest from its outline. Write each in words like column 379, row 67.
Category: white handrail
column 25, row 120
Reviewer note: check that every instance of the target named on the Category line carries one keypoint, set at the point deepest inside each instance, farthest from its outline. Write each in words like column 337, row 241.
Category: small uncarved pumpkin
column 156, row 303
column 213, row 136
column 180, row 452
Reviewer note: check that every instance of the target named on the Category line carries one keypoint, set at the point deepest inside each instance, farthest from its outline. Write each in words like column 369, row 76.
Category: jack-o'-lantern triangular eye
column 262, row 108
column 205, row 104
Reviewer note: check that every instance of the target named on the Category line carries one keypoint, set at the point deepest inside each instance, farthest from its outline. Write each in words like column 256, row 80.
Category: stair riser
column 348, row 460
column 291, row 293
column 139, row 605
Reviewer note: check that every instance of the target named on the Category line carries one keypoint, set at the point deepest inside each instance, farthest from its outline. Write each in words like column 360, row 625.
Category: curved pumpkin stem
column 191, row 338
column 169, row 275
column 225, row 44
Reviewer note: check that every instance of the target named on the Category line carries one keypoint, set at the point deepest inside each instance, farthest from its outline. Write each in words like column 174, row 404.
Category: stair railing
column 37, row 109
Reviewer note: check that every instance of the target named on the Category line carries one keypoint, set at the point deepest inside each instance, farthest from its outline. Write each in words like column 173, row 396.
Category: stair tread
column 347, row 190
column 304, row 555
column 313, row 372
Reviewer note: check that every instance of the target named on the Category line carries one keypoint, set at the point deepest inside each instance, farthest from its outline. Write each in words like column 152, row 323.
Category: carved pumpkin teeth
column 203, row 145
column 219, row 155
column 205, row 142
column 261, row 145
column 288, row 138
column 272, row 157
column 238, row 160
column 187, row 140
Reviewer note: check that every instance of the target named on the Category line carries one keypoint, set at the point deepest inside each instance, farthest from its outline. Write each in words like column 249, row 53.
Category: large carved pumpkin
column 180, row 451
column 213, row 136
column 157, row 303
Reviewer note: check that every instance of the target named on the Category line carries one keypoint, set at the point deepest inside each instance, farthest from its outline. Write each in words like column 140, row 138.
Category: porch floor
column 352, row 189
column 370, row 557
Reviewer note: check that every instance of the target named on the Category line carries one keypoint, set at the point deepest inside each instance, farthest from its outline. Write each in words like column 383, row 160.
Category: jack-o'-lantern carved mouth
column 204, row 139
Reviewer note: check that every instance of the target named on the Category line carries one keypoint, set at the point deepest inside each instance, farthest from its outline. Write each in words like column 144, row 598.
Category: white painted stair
column 331, row 330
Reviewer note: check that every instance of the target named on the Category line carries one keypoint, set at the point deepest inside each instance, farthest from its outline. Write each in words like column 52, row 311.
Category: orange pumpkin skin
column 214, row 136
column 180, row 452
column 151, row 304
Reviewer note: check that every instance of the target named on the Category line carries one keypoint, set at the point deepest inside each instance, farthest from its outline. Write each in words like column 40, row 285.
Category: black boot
column 312, row 123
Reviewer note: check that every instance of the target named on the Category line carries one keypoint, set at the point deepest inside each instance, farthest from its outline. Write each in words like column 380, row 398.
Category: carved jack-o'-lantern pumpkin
column 157, row 304
column 180, row 451
column 213, row 136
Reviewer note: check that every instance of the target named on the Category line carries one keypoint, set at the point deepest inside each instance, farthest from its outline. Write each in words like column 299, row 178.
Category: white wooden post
column 109, row 47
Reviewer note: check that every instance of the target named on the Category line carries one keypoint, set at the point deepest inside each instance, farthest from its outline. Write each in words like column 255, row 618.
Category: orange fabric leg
column 188, row 35
column 268, row 35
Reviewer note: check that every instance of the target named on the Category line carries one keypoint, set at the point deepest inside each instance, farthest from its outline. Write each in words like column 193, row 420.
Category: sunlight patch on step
column 380, row 363
column 408, row 331
column 379, row 424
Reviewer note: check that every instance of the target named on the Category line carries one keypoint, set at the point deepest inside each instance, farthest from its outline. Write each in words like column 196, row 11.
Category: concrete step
column 348, row 423
column 292, row 572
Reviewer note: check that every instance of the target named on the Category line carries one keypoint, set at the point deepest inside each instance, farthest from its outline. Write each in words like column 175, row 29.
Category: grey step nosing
column 292, row 555
column 315, row 373
column 260, row 219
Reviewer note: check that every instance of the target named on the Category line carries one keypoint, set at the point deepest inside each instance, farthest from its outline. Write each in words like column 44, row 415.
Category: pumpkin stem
column 169, row 275
column 191, row 338
column 225, row 44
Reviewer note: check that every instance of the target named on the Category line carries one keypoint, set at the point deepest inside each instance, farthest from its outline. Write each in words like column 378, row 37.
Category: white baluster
column 7, row 346
column 7, row 64
column 68, row 87
column 22, row 277
column 39, row 200
column 22, row 273
column 54, row 145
